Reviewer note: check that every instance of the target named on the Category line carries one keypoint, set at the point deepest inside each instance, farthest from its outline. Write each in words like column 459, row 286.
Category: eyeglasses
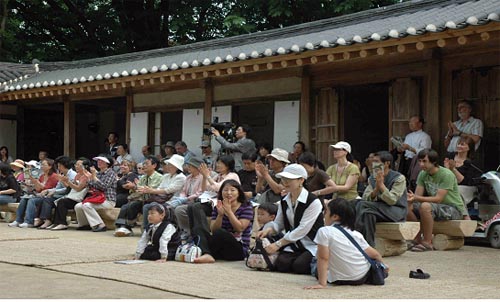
column 286, row 180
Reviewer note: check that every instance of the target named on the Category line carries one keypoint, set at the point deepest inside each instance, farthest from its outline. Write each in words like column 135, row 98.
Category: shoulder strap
column 258, row 245
column 370, row 260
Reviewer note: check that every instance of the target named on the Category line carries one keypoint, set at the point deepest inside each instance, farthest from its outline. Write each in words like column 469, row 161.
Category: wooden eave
column 278, row 66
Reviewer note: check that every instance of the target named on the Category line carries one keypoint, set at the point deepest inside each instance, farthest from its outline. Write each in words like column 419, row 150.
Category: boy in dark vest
column 384, row 200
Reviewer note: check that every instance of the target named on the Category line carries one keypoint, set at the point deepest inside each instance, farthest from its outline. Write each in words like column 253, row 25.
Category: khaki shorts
column 440, row 211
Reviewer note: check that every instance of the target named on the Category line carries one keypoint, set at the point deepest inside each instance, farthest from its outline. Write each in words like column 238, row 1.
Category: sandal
column 422, row 248
column 419, row 274
column 411, row 244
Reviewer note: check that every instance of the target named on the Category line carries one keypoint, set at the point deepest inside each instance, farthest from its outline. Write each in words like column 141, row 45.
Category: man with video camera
column 242, row 145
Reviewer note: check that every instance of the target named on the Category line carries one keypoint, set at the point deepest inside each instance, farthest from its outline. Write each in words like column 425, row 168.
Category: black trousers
column 63, row 205
column 121, row 199
column 368, row 213
column 221, row 244
column 294, row 262
column 128, row 214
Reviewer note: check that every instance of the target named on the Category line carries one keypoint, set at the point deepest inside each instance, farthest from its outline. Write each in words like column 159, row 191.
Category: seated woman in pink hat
column 18, row 168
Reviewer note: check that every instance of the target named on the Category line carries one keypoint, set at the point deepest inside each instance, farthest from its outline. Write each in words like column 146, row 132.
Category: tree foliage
column 56, row 30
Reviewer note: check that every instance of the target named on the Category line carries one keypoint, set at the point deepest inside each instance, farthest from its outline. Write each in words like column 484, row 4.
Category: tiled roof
column 11, row 73
column 395, row 21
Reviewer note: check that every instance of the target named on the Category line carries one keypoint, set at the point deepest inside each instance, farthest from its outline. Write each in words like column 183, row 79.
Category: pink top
column 220, row 179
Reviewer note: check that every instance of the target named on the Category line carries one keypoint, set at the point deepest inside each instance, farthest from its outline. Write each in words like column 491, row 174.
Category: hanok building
column 357, row 78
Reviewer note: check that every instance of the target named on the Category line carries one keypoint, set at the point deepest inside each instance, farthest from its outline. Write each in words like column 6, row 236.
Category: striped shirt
column 243, row 212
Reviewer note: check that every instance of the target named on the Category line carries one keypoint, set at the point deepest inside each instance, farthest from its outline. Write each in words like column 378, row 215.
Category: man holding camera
column 242, row 145
column 385, row 198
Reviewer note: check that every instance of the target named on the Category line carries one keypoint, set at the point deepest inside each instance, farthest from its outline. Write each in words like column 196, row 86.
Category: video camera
column 226, row 129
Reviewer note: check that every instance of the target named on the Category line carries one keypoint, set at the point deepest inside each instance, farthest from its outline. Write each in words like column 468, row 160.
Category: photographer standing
column 242, row 145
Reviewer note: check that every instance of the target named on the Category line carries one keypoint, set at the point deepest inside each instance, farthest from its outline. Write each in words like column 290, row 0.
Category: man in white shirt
column 466, row 126
column 122, row 152
column 415, row 141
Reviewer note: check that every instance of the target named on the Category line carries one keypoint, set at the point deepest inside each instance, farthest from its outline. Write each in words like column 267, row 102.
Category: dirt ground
column 79, row 264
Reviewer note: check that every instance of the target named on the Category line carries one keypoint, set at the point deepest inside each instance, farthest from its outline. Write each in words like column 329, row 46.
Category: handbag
column 95, row 196
column 77, row 195
column 187, row 252
column 377, row 273
column 259, row 259
column 159, row 198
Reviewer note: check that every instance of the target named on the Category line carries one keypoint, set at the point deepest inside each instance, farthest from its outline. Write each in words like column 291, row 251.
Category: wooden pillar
column 209, row 101
column 128, row 113
column 432, row 104
column 69, row 127
column 446, row 106
column 305, row 103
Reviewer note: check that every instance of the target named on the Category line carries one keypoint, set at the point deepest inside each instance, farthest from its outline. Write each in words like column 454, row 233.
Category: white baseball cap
column 342, row 145
column 293, row 171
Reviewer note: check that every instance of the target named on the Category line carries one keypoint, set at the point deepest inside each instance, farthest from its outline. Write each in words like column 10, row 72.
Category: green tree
column 61, row 30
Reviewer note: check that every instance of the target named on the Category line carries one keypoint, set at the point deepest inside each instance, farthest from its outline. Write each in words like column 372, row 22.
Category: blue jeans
column 5, row 199
column 27, row 209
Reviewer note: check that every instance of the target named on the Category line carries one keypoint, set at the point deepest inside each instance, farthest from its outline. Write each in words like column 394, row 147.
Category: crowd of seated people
column 216, row 204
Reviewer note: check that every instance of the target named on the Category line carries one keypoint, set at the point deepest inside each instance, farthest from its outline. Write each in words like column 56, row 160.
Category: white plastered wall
column 286, row 124
column 138, row 133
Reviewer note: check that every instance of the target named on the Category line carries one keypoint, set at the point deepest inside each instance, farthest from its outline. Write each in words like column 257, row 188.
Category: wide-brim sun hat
column 176, row 160
column 18, row 163
column 342, row 146
column 293, row 171
column 279, row 154
column 104, row 159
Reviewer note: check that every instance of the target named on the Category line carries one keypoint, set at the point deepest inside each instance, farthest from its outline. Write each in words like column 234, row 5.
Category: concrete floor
column 74, row 264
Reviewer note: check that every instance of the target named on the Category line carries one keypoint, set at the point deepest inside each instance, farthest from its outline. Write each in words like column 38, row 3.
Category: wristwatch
column 278, row 243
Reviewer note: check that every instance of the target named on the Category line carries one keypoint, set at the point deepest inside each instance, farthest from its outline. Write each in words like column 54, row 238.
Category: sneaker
column 25, row 225
column 123, row 232
column 14, row 224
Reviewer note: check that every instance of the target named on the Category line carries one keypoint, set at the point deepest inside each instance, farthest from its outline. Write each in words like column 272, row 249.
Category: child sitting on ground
column 161, row 239
column 266, row 213
column 339, row 261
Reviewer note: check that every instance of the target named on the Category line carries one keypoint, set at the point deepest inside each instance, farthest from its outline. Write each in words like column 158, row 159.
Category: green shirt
column 152, row 181
column 442, row 179
column 341, row 179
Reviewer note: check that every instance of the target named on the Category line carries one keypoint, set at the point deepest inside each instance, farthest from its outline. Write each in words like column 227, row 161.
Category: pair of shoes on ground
column 419, row 274
column 123, row 232
column 99, row 229
column 422, row 247
column 84, row 228
column 14, row 224
column 26, row 225
column 59, row 227
column 37, row 222
column 47, row 225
